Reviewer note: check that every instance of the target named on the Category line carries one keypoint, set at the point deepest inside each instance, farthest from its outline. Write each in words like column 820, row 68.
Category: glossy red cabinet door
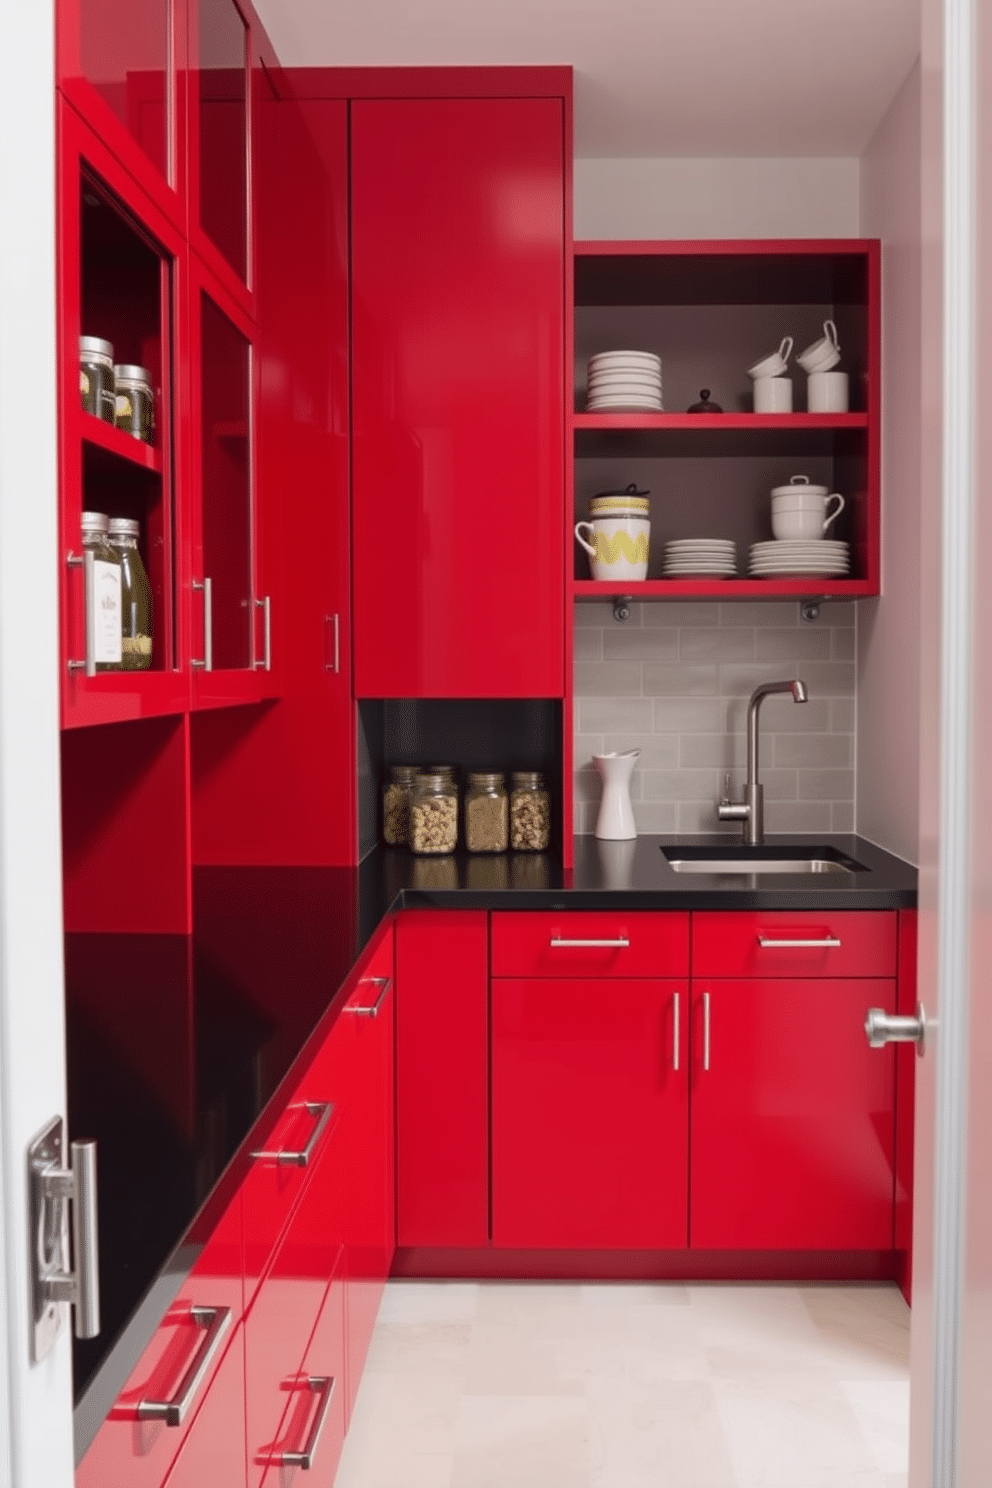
column 793, row 1116
column 214, row 1451
column 442, row 1078
column 315, row 1415
column 458, row 335
column 590, row 1113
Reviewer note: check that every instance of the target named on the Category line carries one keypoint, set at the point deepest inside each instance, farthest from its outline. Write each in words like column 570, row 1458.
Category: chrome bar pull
column 321, row 1111
column 372, row 1011
column 216, row 1321
column 207, row 663
column 620, row 943
column 265, row 605
column 828, row 942
column 676, row 1039
column 324, row 1386
column 333, row 622
column 706, row 1031
column 54, row 1190
column 883, row 1028
column 85, row 561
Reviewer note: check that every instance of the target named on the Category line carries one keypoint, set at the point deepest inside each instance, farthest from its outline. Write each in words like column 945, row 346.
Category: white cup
column 822, row 354
column 804, row 514
column 618, row 545
column 775, row 364
column 773, row 395
column 827, row 392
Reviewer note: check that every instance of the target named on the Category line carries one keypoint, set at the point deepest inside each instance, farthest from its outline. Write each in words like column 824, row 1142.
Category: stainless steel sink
column 745, row 862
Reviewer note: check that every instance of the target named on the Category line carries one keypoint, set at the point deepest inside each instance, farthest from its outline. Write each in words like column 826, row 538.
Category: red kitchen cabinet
column 214, row 1451
column 792, row 943
column 793, row 1116
column 442, row 1078
column 590, row 1113
column 458, row 285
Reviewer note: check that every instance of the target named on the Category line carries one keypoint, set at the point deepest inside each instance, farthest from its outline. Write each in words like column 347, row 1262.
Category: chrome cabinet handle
column 85, row 1239
column 829, row 941
column 319, row 1109
column 54, row 1190
column 216, row 1321
column 85, row 562
column 207, row 664
column 324, row 1385
column 883, row 1028
column 335, row 664
column 675, row 1032
column 706, row 1031
column 621, row 943
column 371, row 1012
column 265, row 605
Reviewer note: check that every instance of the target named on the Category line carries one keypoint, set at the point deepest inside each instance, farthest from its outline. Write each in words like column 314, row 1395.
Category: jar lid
column 403, row 773
column 486, row 777
column 447, row 770
column 602, row 506
column 532, row 778
column 434, row 780
column 630, row 490
column 93, row 346
column 126, row 372
column 124, row 527
column 93, row 522
column 800, row 483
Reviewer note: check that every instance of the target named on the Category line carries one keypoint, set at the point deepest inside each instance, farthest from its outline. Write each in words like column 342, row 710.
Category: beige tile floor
column 533, row 1385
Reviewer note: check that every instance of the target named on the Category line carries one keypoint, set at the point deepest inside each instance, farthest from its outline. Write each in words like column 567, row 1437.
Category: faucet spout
column 751, row 811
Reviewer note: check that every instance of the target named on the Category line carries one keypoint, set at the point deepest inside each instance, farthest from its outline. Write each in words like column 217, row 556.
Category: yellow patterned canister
column 617, row 536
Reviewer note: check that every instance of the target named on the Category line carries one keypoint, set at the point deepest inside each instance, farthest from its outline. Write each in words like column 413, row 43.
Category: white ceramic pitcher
column 615, row 822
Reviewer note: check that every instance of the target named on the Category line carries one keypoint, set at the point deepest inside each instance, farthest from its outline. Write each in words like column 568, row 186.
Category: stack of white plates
column 693, row 556
column 784, row 557
column 624, row 382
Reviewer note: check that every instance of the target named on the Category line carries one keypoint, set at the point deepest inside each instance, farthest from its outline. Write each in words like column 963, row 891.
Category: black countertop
column 177, row 1044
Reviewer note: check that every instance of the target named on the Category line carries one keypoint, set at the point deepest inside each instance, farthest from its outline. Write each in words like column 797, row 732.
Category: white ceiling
column 652, row 77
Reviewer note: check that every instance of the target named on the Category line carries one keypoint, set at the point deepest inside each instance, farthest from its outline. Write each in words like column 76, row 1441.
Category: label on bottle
column 106, row 618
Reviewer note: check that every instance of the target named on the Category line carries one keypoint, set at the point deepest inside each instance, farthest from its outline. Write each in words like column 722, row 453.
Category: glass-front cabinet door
column 220, row 118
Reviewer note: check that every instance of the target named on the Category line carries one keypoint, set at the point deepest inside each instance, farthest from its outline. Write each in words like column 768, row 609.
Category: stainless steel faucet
column 751, row 811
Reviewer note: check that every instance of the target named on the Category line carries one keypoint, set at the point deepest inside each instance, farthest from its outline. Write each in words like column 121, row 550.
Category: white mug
column 618, row 545
column 774, row 364
column 822, row 354
column 827, row 392
column 804, row 515
column 773, row 395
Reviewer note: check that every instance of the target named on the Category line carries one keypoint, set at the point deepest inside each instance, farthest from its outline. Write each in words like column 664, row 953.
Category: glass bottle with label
column 530, row 812
column 103, row 594
column 136, row 597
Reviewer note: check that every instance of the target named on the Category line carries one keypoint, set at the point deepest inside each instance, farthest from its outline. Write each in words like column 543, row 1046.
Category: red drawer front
column 631, row 945
column 214, row 1450
column 316, row 1404
column 855, row 943
column 139, row 1452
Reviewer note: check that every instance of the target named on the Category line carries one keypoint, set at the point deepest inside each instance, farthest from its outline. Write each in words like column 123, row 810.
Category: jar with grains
column 96, row 377
column 136, row 597
column 396, row 795
column 530, row 812
column 434, row 814
column 134, row 401
column 487, row 827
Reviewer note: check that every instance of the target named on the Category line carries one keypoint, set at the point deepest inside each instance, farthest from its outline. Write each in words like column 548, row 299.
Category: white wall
column 716, row 198
column 888, row 752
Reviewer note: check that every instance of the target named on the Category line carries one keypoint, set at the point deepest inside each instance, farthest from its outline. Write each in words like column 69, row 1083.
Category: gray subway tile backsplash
column 674, row 681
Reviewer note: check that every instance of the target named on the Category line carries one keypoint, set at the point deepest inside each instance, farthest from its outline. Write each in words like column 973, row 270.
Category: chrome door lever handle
column 53, row 1189
column 883, row 1028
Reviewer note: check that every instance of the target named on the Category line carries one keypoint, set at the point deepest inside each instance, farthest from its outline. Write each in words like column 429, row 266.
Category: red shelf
column 107, row 437
column 119, row 697
column 706, row 588
column 720, row 421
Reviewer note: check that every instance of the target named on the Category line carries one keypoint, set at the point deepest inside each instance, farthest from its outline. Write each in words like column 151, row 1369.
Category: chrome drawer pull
column 706, row 1031
column 829, row 941
column 322, row 1111
column 325, row 1385
column 207, row 663
column 371, row 1012
column 265, row 605
column 173, row 1412
column 621, row 943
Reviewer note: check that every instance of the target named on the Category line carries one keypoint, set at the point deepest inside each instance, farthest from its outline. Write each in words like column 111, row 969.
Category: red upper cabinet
column 458, row 282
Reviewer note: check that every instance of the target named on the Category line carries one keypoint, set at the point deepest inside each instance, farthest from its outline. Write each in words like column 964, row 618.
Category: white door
column 35, row 1399
column 951, row 1380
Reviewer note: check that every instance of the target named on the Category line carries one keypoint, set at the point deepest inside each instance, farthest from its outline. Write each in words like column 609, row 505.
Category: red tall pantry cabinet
column 458, row 278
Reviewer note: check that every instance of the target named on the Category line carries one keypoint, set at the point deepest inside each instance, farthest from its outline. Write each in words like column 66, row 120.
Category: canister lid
column 126, row 372
column 532, row 779
column 486, row 777
column 124, row 527
column 93, row 522
column 403, row 774
column 602, row 506
column 93, row 346
column 800, row 485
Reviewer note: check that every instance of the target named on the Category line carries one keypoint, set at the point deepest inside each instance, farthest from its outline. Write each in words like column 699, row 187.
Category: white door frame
column 35, row 1400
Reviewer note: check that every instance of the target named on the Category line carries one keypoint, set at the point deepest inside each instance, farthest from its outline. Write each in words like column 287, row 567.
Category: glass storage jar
column 103, row 595
column 530, row 812
column 396, row 796
column 96, row 377
column 134, row 401
column 487, row 827
column 434, row 814
column 136, row 597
